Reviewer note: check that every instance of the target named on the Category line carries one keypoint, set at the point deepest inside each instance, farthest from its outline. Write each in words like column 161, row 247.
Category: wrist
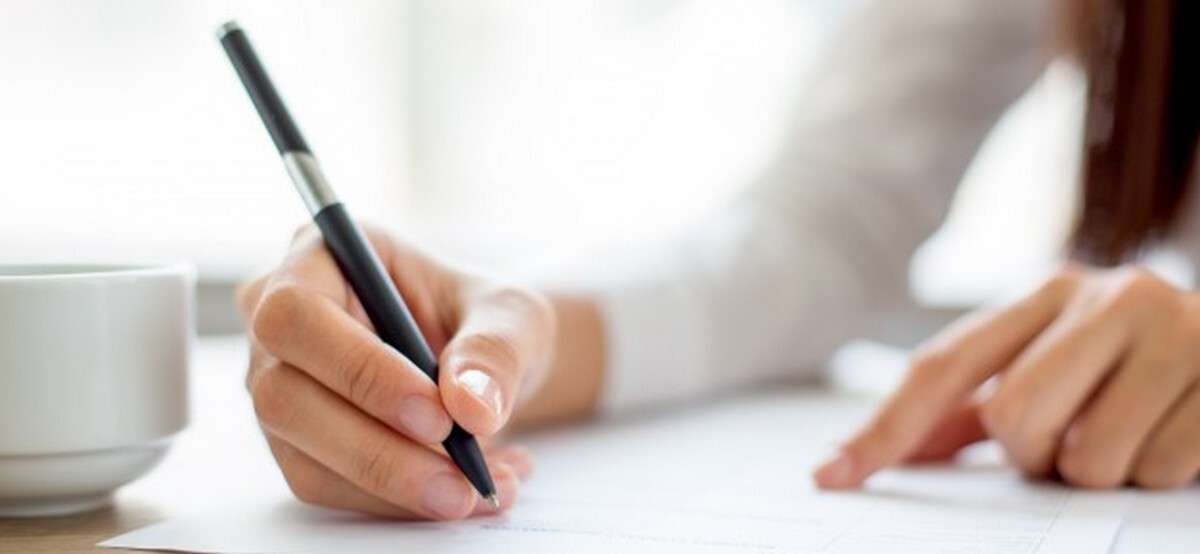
column 573, row 383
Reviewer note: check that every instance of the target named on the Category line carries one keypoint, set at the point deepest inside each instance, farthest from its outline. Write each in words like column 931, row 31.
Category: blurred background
column 495, row 133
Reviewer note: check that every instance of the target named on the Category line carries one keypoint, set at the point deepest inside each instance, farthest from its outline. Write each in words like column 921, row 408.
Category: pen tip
column 494, row 500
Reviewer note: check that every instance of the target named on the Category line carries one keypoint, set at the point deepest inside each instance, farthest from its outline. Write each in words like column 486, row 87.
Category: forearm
column 819, row 247
column 572, row 386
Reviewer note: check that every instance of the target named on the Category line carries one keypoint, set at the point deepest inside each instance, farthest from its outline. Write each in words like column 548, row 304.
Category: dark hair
column 1142, row 123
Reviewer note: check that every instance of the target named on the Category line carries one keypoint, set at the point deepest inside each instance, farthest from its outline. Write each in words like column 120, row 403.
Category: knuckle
column 1136, row 276
column 1157, row 470
column 305, row 482
column 304, row 487
column 1064, row 279
column 252, row 376
column 883, row 433
column 374, row 467
column 258, row 360
column 1135, row 286
column 1031, row 463
column 500, row 348
column 519, row 299
column 242, row 296
column 882, row 437
column 1031, row 450
column 361, row 374
column 1000, row 417
column 1080, row 468
column 272, row 403
column 276, row 314
column 929, row 363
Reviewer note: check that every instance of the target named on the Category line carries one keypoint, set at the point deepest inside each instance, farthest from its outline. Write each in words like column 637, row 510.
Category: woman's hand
column 1095, row 380
column 355, row 425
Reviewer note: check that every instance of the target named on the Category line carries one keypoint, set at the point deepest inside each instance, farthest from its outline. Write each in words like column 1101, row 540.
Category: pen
column 355, row 258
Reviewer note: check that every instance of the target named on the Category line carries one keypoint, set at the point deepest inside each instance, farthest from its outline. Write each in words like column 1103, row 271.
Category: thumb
column 505, row 337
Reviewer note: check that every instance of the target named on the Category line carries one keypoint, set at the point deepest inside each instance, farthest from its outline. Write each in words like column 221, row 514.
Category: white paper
column 729, row 478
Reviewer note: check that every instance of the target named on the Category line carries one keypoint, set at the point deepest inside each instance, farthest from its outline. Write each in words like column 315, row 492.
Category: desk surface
column 221, row 456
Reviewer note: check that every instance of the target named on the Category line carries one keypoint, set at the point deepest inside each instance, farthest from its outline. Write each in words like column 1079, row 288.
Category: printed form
column 713, row 479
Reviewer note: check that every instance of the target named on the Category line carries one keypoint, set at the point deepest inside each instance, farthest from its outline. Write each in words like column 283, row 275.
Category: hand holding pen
column 344, row 370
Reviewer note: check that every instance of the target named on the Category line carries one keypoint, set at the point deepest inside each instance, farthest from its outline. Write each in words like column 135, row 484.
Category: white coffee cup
column 93, row 379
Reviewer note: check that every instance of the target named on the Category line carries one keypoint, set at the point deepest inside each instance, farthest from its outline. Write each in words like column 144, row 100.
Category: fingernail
column 838, row 472
column 483, row 387
column 424, row 420
column 447, row 496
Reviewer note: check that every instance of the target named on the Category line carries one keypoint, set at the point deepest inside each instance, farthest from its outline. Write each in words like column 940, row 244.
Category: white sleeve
column 771, row 284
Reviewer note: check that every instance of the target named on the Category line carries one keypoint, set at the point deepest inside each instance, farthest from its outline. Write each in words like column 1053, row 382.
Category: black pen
column 355, row 257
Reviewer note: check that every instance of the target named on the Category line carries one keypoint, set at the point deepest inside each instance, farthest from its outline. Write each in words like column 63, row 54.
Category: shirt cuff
column 655, row 346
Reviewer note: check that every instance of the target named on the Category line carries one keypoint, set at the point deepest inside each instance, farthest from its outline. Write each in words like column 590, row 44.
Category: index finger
column 941, row 376
column 304, row 317
column 312, row 333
